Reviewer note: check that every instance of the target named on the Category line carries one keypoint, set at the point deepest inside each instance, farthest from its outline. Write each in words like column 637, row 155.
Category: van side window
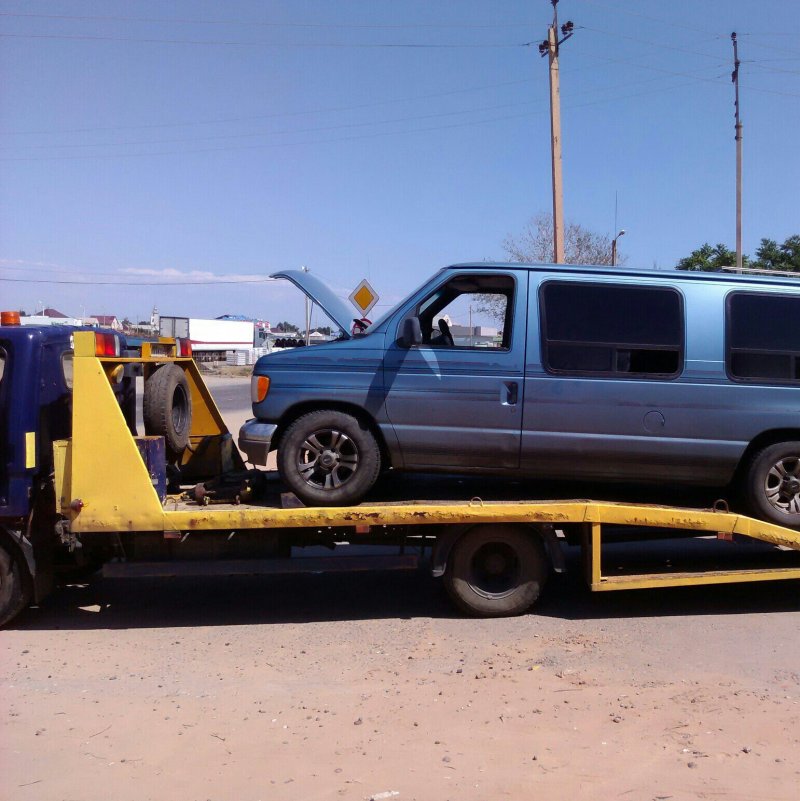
column 628, row 331
column 469, row 311
column 763, row 341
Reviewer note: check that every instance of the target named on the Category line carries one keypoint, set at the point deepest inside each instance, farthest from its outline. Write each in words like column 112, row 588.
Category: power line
column 276, row 133
column 135, row 283
column 651, row 43
column 378, row 134
column 261, row 43
column 318, row 129
column 264, row 23
column 374, row 135
column 223, row 120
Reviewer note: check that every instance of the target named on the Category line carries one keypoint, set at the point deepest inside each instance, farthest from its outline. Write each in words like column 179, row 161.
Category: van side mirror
column 411, row 333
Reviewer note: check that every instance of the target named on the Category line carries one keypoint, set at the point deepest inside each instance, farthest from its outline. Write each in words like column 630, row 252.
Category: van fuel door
column 654, row 422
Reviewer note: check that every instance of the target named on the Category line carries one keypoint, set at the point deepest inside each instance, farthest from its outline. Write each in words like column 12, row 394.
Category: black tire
column 772, row 484
column 329, row 458
column 496, row 571
column 167, row 408
column 15, row 588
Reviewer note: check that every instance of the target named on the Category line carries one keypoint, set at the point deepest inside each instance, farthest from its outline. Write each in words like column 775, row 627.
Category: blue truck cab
column 35, row 410
column 592, row 373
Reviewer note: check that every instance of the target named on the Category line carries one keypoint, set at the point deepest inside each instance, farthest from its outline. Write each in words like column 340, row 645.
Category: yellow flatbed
column 103, row 486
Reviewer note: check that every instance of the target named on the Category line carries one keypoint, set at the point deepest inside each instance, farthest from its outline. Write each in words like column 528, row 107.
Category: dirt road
column 327, row 687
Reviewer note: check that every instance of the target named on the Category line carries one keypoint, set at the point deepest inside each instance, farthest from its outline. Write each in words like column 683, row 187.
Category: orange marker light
column 9, row 318
column 259, row 387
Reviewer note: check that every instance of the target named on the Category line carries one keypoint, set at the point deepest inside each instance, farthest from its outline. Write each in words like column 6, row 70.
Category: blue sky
column 190, row 142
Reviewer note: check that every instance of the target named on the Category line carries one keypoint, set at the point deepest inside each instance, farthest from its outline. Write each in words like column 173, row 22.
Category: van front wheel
column 496, row 571
column 773, row 484
column 329, row 458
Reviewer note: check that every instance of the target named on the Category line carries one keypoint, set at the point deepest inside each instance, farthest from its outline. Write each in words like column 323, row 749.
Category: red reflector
column 106, row 345
column 184, row 348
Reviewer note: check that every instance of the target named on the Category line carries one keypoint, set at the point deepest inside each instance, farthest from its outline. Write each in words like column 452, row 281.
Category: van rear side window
column 763, row 337
column 627, row 331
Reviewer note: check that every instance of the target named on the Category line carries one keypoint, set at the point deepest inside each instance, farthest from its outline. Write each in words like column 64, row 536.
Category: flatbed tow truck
column 216, row 517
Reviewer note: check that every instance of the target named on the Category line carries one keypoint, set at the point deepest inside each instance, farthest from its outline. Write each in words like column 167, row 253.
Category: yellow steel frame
column 102, row 468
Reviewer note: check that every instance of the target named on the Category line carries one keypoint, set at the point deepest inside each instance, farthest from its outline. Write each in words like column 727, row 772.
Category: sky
column 173, row 154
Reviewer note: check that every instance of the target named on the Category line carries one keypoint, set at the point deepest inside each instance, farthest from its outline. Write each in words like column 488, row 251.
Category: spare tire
column 167, row 408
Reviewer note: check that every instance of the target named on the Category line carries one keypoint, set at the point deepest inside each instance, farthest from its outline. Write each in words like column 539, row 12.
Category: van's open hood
column 323, row 296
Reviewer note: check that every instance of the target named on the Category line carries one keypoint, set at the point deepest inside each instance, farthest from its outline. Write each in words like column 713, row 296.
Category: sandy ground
column 325, row 687
column 371, row 686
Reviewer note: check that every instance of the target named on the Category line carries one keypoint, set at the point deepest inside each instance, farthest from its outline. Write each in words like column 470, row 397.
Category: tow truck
column 80, row 489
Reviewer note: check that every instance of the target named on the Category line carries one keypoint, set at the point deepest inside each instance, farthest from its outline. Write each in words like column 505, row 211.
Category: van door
column 604, row 393
column 455, row 399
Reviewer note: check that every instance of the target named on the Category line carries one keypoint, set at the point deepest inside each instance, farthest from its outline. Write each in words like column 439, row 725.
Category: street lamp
column 614, row 247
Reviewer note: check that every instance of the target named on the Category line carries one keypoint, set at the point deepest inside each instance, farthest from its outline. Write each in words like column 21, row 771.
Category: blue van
column 590, row 373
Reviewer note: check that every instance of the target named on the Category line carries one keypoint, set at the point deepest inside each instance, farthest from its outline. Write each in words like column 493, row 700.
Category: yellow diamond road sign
column 364, row 297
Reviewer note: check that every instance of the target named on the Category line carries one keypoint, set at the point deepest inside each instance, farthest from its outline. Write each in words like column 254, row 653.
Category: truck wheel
column 15, row 590
column 167, row 408
column 773, row 484
column 496, row 571
column 329, row 458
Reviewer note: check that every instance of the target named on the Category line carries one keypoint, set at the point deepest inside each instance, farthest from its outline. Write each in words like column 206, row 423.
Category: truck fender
column 448, row 538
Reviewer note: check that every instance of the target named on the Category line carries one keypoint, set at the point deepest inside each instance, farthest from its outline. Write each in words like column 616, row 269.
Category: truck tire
column 772, row 484
column 15, row 588
column 496, row 571
column 329, row 458
column 167, row 408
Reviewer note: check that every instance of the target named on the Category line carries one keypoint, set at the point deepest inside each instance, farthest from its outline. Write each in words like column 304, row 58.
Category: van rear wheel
column 773, row 484
column 496, row 571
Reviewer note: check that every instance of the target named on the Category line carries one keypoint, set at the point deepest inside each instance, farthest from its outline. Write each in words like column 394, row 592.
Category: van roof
column 590, row 269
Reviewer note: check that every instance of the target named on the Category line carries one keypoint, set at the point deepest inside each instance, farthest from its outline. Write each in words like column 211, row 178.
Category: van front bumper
column 255, row 439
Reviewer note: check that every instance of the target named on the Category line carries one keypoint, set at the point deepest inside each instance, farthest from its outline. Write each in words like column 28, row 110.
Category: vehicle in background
column 211, row 339
column 595, row 373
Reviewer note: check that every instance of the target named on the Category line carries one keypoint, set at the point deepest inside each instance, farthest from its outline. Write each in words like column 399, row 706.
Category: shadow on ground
column 250, row 600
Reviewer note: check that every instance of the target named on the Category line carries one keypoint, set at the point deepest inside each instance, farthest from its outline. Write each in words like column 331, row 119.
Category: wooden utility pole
column 550, row 47
column 735, row 79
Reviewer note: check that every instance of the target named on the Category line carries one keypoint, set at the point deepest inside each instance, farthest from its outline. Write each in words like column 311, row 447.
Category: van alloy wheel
column 772, row 484
column 327, row 458
column 782, row 485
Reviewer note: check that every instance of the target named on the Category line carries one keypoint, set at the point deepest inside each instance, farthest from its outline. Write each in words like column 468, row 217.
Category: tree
column 769, row 256
column 323, row 329
column 772, row 256
column 535, row 244
column 581, row 246
column 709, row 259
column 287, row 328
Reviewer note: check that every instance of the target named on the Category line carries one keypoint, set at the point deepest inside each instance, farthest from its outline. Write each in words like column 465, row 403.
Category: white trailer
column 210, row 338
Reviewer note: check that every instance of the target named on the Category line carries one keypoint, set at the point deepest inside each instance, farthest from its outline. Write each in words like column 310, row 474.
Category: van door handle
column 512, row 393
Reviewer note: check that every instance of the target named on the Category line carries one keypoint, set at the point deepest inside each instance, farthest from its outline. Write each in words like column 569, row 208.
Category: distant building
column 108, row 321
column 52, row 313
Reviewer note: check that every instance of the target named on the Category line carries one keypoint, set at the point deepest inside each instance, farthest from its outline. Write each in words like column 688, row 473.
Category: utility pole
column 735, row 79
column 550, row 47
